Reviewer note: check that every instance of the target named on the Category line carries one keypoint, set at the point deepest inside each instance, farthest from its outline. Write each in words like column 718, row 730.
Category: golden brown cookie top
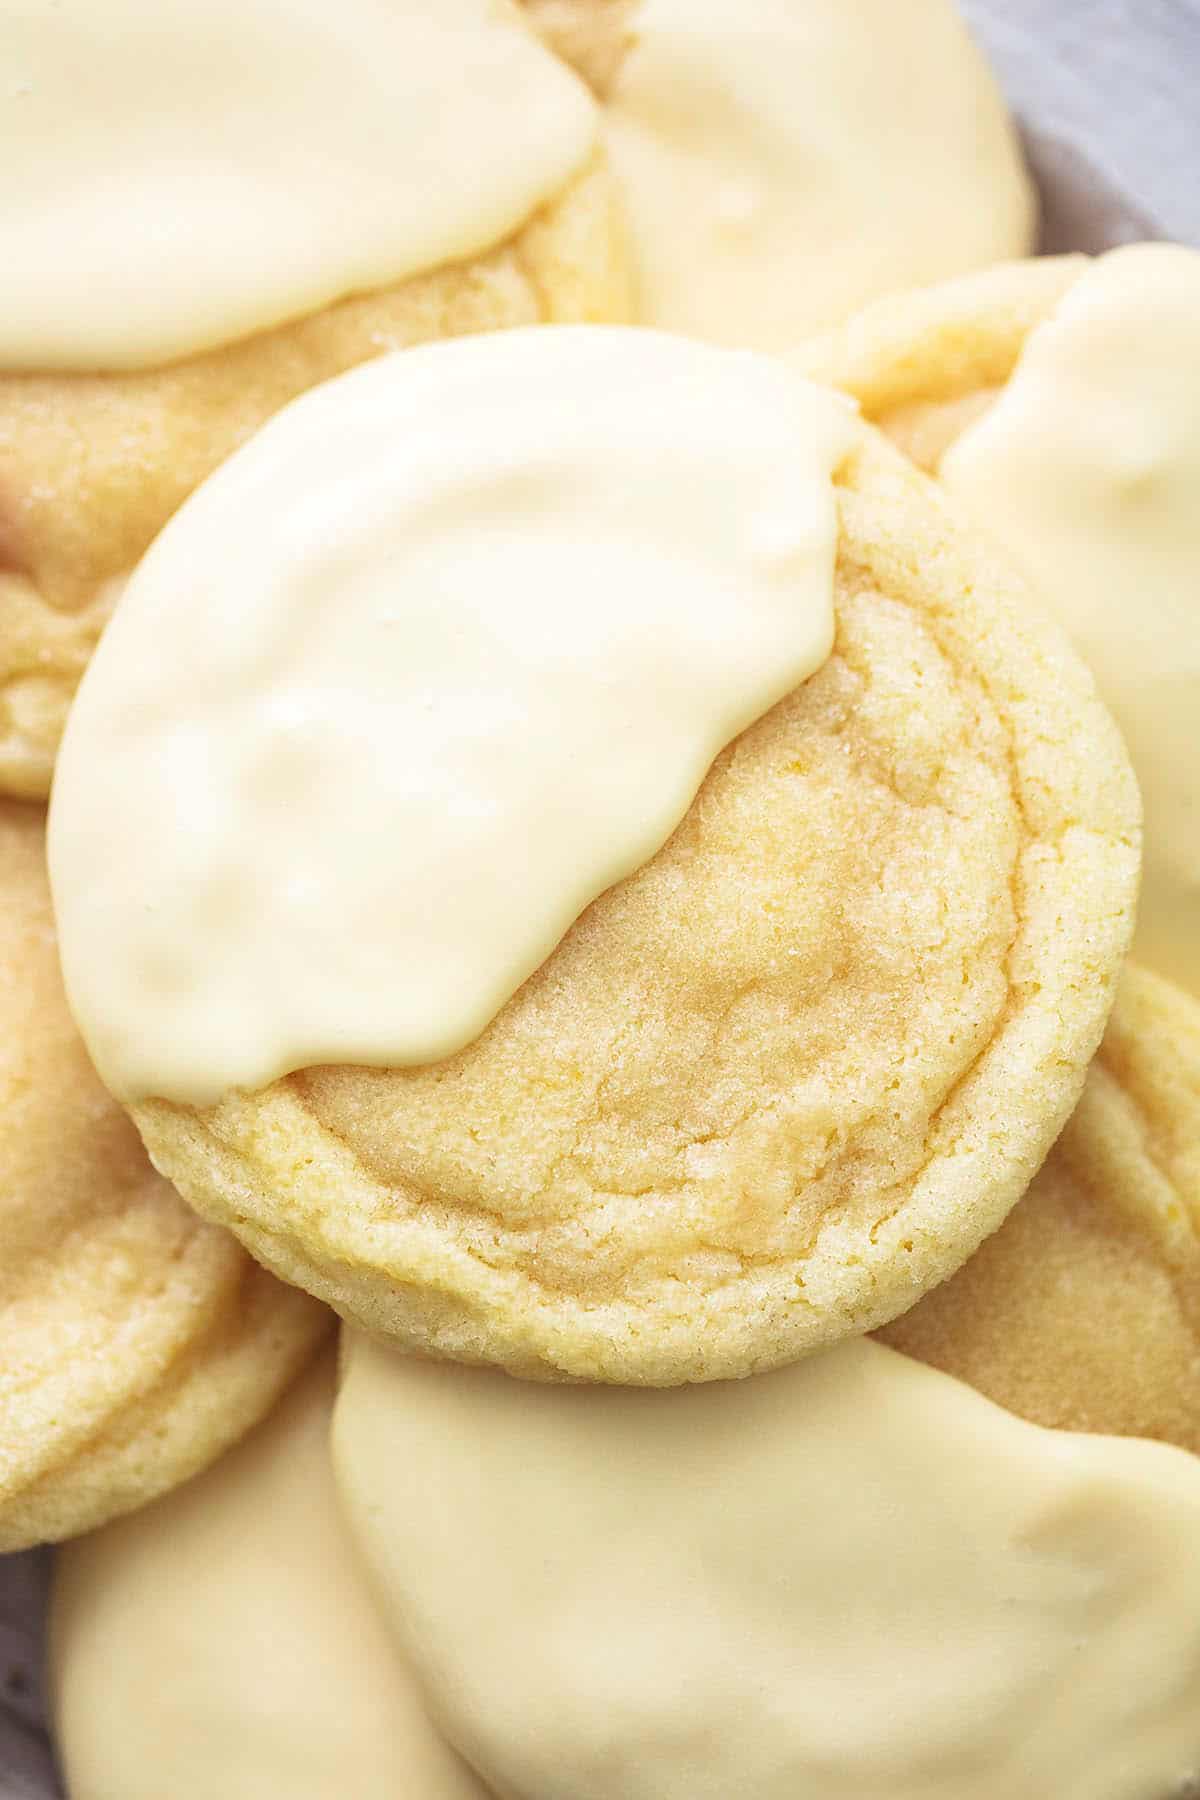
column 787, row 1076
column 137, row 1340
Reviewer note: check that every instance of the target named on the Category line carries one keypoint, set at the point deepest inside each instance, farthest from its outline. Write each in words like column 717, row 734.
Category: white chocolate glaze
column 783, row 163
column 854, row 1578
column 224, row 1643
column 174, row 176
column 439, row 656
column 1088, row 466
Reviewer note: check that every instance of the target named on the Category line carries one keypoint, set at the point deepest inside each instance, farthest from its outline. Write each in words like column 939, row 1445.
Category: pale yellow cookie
column 136, row 1341
column 594, row 36
column 92, row 466
column 1058, row 403
column 782, row 164
column 775, row 174
column 785, row 1078
column 224, row 1642
column 1083, row 1311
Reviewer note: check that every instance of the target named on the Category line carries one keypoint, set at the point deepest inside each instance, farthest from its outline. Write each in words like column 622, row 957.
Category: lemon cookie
column 855, row 1577
column 1083, row 1310
column 159, row 308
column 925, row 363
column 769, row 1087
column 237, row 1605
column 138, row 1341
column 1058, row 402
column 782, row 164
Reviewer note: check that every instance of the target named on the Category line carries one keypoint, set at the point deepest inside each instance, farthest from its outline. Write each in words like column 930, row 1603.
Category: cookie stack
column 594, row 1206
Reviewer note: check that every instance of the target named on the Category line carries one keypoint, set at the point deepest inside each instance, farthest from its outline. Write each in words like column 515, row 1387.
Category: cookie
column 136, row 1341
column 92, row 464
column 1057, row 402
column 926, row 363
column 854, row 1577
column 777, row 174
column 1083, row 1311
column 782, row 1080
column 237, row 1604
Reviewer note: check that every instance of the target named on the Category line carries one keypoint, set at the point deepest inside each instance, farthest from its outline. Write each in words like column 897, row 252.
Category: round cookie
column 237, row 1605
column 853, row 1578
column 138, row 1341
column 777, row 174
column 786, row 1077
column 1083, row 1311
column 1056, row 401
column 92, row 465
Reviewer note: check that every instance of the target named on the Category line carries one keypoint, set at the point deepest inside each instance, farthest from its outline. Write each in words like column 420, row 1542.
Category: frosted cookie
column 685, row 1067
column 136, row 1341
column 158, row 308
column 783, row 164
column 237, row 1606
column 1058, row 401
column 1083, row 1310
column 855, row 1578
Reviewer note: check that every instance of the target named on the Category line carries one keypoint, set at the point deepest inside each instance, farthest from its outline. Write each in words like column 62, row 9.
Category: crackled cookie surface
column 238, row 1605
column 100, row 440
column 1083, row 1310
column 784, row 1078
column 136, row 1340
column 1057, row 401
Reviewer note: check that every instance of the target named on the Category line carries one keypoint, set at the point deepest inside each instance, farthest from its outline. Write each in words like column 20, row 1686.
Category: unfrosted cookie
column 223, row 1641
column 1083, row 1311
column 136, row 1341
column 785, row 1078
column 92, row 465
column 778, row 173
